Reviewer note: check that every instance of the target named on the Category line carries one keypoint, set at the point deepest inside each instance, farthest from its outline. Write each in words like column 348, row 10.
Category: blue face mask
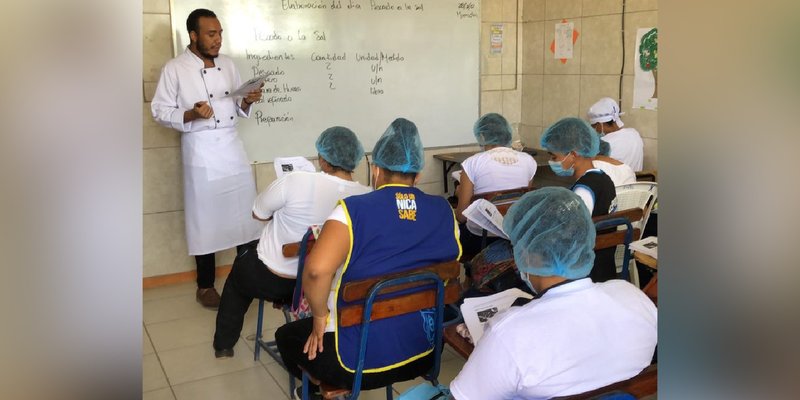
column 559, row 170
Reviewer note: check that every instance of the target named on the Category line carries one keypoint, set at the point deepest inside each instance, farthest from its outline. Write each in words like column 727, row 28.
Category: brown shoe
column 208, row 297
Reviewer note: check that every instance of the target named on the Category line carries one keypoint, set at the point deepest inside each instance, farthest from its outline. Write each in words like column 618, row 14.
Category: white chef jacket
column 626, row 146
column 577, row 337
column 219, row 187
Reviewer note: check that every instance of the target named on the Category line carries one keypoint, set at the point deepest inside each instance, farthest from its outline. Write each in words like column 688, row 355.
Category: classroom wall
column 523, row 83
column 533, row 90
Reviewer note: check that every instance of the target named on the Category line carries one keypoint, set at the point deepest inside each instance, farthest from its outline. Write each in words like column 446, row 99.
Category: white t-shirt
column 500, row 168
column 620, row 174
column 626, row 146
column 579, row 336
column 296, row 201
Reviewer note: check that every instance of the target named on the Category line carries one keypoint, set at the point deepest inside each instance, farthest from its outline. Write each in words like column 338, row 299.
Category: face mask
column 559, row 170
column 524, row 277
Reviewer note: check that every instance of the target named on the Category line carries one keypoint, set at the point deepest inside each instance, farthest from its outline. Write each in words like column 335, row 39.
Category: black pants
column 249, row 279
column 207, row 264
column 292, row 337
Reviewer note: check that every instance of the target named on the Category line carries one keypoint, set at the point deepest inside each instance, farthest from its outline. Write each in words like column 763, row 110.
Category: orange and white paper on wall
column 564, row 41
column 645, row 65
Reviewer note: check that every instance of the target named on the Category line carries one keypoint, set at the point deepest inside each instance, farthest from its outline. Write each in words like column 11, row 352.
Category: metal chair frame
column 433, row 374
column 270, row 346
column 615, row 222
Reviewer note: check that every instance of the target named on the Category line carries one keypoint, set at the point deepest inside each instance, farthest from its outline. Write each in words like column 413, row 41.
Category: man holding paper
column 195, row 97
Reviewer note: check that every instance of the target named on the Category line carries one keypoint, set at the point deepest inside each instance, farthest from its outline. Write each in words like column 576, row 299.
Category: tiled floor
column 178, row 360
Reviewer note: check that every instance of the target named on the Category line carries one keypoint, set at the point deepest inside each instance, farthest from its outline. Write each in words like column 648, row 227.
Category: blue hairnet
column 340, row 147
column 571, row 134
column 605, row 148
column 492, row 129
column 552, row 233
column 400, row 148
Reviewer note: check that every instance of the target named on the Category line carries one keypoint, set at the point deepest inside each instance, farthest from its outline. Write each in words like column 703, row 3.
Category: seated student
column 395, row 228
column 498, row 167
column 626, row 143
column 573, row 144
column 619, row 172
column 289, row 205
column 575, row 335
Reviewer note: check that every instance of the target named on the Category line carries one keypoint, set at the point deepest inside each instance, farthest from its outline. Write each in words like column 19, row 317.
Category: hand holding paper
column 252, row 85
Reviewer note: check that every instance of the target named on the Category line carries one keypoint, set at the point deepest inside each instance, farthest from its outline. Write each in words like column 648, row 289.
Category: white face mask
column 526, row 278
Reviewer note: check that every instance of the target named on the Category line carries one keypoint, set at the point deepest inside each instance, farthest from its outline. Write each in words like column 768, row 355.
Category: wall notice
column 645, row 78
column 563, row 40
column 496, row 39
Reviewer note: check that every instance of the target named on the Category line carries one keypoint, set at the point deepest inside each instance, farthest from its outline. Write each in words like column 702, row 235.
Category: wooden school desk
column 544, row 175
column 651, row 289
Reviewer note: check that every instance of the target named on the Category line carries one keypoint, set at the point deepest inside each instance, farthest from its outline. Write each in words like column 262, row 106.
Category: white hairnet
column 605, row 110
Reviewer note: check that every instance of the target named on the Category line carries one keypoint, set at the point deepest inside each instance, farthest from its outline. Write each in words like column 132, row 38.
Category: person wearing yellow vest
column 393, row 229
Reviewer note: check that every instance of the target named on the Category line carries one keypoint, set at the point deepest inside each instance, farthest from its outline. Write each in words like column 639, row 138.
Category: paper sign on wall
column 496, row 39
column 563, row 40
column 645, row 66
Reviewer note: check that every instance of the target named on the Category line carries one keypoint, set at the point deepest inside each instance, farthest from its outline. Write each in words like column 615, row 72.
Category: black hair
column 194, row 17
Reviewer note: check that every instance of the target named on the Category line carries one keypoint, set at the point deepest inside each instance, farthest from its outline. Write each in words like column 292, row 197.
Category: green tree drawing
column 648, row 55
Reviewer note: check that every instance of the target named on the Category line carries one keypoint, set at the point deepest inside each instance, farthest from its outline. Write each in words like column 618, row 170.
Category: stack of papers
column 648, row 245
column 478, row 311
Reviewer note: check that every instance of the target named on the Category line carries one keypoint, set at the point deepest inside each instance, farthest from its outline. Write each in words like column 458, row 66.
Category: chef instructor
column 219, row 189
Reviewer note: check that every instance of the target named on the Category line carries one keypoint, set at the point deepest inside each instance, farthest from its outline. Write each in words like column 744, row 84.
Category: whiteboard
column 353, row 63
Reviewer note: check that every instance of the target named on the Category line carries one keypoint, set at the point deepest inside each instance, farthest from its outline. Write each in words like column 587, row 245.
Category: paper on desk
column 648, row 245
column 478, row 311
column 485, row 215
column 284, row 165
column 249, row 86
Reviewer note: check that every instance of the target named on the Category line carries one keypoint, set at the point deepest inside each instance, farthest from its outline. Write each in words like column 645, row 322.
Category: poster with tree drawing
column 645, row 80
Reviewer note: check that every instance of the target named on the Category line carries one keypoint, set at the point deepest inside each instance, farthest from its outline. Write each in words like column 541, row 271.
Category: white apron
column 219, row 188
column 218, row 197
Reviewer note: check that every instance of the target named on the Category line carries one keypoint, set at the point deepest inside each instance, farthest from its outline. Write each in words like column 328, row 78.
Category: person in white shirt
column 218, row 185
column 619, row 172
column 575, row 335
column 626, row 143
column 289, row 205
column 498, row 167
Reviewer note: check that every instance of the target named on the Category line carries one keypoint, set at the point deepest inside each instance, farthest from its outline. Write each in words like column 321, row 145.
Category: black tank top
column 601, row 186
column 604, row 193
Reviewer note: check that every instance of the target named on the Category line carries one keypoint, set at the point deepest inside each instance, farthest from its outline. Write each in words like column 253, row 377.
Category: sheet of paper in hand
column 485, row 215
column 249, row 86
column 285, row 165
column 478, row 311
